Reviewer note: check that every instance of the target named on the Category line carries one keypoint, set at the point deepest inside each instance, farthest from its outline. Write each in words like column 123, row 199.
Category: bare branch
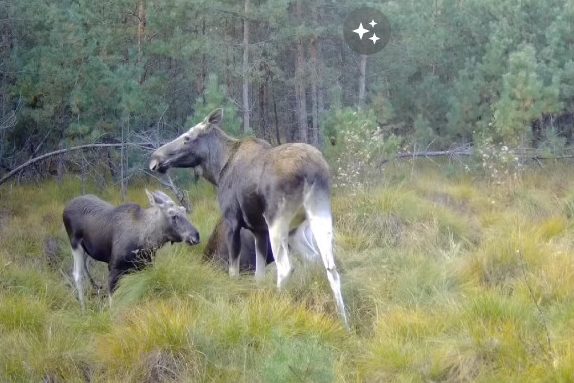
column 462, row 151
column 466, row 151
column 168, row 183
column 51, row 154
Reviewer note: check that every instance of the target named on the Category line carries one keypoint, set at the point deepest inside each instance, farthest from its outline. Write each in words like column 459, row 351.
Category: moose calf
column 126, row 237
column 300, row 241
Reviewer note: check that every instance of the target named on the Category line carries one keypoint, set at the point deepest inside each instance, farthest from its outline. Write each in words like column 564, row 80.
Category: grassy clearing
column 447, row 278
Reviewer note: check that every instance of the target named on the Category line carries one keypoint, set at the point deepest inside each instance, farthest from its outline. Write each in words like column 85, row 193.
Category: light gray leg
column 234, row 267
column 278, row 236
column 322, row 227
column 302, row 242
column 79, row 259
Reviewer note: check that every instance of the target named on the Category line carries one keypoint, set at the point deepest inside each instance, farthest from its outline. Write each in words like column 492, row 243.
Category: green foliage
column 524, row 98
column 359, row 144
column 424, row 135
column 82, row 71
column 466, row 110
column 553, row 144
column 215, row 97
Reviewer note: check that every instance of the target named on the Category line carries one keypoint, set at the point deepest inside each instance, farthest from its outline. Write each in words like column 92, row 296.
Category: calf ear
column 157, row 198
column 215, row 117
column 150, row 198
column 161, row 198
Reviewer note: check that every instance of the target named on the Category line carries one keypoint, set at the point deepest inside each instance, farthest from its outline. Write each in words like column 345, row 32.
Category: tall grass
column 447, row 277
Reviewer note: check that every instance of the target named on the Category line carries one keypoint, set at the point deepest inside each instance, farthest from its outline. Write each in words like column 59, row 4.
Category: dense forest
column 454, row 72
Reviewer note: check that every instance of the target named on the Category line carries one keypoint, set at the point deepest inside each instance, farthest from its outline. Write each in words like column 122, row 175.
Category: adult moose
column 125, row 237
column 268, row 190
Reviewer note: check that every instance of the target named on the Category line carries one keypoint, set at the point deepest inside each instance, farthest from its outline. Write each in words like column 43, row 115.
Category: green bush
column 359, row 145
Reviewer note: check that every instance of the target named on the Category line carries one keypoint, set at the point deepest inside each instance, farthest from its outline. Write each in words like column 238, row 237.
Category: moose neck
column 220, row 150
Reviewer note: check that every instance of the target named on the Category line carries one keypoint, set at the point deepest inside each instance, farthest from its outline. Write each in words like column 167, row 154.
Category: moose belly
column 99, row 253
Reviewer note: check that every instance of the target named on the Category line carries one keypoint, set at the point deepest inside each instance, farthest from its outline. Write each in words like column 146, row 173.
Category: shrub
column 359, row 144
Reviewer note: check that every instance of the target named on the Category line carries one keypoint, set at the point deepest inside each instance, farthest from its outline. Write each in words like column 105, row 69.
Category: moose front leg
column 234, row 246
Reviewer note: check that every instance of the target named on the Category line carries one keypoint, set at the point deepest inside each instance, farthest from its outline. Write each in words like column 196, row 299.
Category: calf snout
column 192, row 238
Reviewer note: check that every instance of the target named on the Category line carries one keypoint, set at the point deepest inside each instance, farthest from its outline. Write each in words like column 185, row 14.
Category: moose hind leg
column 322, row 228
column 78, row 272
column 279, row 237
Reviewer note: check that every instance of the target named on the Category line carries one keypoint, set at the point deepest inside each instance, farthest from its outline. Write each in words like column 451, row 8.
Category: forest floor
column 447, row 277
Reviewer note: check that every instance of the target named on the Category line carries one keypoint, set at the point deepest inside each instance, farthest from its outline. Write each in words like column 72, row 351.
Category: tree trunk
column 246, row 124
column 263, row 90
column 314, row 91
column 321, row 87
column 142, row 21
column 362, row 78
column 203, row 74
column 275, row 115
column 228, row 34
column 316, row 80
column 300, row 89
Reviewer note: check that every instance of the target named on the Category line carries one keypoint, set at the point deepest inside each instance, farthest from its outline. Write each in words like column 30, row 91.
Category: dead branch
column 17, row 170
column 462, row 151
column 51, row 154
column 524, row 154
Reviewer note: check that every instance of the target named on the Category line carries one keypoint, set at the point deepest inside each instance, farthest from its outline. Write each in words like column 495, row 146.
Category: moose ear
column 215, row 117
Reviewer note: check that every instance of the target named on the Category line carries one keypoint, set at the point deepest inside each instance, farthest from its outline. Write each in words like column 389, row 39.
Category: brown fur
column 127, row 236
column 216, row 249
column 267, row 190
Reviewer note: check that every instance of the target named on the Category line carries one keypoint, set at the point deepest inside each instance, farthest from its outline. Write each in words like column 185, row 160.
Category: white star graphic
column 361, row 31
column 374, row 39
column 372, row 23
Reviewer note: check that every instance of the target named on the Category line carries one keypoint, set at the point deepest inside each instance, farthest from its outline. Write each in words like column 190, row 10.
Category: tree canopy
column 79, row 71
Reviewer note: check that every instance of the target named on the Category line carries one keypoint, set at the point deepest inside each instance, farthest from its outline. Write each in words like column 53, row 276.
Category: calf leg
column 113, row 279
column 92, row 281
column 79, row 260
column 260, row 255
column 234, row 246
column 302, row 242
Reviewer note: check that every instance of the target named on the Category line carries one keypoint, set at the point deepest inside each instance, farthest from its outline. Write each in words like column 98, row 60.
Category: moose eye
column 186, row 139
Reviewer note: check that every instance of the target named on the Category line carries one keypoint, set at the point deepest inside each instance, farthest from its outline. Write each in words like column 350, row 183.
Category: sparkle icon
column 360, row 31
column 366, row 30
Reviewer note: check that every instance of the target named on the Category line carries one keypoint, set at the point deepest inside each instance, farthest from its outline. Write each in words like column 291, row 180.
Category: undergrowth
column 447, row 277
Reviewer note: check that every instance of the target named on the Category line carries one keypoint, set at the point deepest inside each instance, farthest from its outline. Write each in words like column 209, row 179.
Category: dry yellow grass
column 447, row 277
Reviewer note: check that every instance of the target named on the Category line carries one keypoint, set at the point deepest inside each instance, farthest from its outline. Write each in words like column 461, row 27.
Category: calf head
column 189, row 150
column 173, row 219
